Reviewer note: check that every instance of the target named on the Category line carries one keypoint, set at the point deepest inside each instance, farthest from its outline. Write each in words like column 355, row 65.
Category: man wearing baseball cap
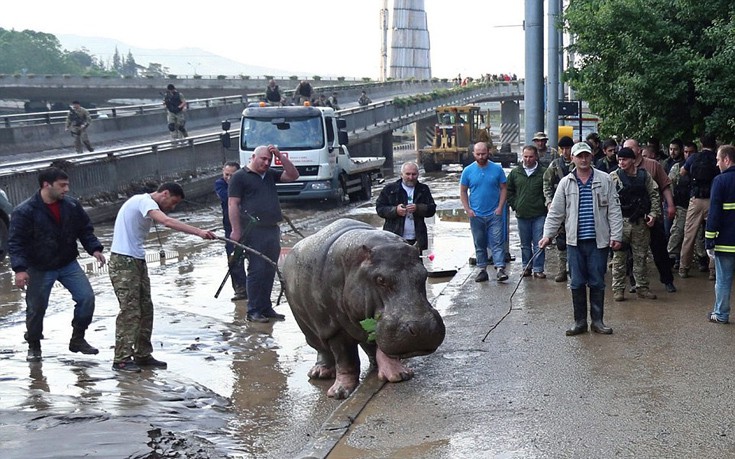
column 557, row 170
column 586, row 204
column 540, row 140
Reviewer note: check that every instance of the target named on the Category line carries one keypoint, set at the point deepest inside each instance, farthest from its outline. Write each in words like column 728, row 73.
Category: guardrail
column 38, row 118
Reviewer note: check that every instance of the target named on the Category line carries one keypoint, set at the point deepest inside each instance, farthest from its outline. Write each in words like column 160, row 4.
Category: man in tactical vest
column 702, row 167
column 175, row 107
column 559, row 168
column 682, row 188
column 77, row 122
column 640, row 205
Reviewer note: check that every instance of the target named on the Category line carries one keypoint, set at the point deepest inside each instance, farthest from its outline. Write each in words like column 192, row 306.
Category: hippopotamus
column 346, row 273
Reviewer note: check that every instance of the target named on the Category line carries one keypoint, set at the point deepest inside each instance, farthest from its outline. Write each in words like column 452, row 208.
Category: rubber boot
column 579, row 302
column 34, row 351
column 597, row 309
column 79, row 344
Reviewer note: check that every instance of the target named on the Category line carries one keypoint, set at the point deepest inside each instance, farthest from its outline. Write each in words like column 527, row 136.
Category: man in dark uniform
column 252, row 195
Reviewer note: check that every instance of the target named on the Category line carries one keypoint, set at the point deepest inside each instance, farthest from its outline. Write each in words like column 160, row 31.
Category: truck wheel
column 366, row 190
column 3, row 239
column 430, row 165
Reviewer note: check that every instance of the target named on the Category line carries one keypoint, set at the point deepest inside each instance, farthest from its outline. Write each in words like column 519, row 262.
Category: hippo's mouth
column 414, row 353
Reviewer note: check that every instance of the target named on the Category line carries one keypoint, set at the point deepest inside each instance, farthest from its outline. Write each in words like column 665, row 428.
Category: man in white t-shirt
column 129, row 273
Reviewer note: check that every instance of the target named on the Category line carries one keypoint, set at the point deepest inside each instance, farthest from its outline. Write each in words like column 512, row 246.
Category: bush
column 268, row 77
column 340, row 78
column 366, row 79
column 172, row 76
column 244, row 77
column 221, row 77
column 316, row 78
column 197, row 77
column 293, row 77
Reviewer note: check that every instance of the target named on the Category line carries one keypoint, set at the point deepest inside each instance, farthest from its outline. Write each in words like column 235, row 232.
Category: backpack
column 703, row 171
column 634, row 199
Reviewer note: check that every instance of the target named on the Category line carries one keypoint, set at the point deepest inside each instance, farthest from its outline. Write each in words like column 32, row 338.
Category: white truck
column 315, row 140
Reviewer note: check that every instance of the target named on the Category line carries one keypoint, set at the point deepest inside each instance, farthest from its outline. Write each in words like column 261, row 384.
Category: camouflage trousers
column 134, row 324
column 176, row 125
column 638, row 236
column 80, row 137
column 677, row 235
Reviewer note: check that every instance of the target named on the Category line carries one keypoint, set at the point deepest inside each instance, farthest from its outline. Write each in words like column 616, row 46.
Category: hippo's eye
column 380, row 280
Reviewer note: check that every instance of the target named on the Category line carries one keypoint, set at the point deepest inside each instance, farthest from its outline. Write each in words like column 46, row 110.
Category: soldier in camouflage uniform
column 77, row 122
column 129, row 273
column 558, row 168
column 640, row 203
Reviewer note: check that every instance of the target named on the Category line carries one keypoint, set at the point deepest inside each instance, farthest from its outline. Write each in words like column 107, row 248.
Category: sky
column 338, row 37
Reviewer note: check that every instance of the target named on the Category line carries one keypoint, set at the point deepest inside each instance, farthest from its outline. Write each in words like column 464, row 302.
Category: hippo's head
column 396, row 279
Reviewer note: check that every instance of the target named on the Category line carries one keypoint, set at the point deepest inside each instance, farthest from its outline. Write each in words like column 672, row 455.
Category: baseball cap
column 540, row 136
column 581, row 147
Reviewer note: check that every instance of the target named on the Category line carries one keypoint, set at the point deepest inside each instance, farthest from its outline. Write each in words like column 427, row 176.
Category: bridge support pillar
column 386, row 146
column 510, row 123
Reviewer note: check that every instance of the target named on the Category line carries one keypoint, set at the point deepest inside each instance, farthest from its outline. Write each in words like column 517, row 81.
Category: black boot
column 34, row 351
column 579, row 301
column 597, row 308
column 79, row 344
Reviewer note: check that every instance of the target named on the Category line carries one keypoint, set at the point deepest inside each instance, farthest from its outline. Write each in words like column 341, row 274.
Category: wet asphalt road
column 232, row 388
column 658, row 387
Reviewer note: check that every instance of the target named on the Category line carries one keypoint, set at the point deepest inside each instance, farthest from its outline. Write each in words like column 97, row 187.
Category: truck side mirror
column 341, row 123
column 226, row 125
column 342, row 137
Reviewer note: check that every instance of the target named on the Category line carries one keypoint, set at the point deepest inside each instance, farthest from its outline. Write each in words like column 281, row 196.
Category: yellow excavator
column 456, row 131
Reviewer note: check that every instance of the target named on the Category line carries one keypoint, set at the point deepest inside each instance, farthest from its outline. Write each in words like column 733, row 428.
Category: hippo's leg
column 348, row 367
column 324, row 367
column 391, row 369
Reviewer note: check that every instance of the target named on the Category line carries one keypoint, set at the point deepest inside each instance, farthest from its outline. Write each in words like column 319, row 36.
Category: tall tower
column 410, row 48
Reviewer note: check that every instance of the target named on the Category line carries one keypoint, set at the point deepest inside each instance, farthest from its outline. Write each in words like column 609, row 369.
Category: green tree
column 130, row 68
column 116, row 61
column 31, row 52
column 655, row 67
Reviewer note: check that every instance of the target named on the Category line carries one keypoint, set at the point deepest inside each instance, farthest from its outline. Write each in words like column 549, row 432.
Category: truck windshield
column 304, row 133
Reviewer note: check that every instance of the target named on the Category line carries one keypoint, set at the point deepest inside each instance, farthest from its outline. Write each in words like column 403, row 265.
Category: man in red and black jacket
column 44, row 230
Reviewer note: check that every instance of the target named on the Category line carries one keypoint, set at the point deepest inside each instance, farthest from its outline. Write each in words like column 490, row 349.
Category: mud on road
column 232, row 388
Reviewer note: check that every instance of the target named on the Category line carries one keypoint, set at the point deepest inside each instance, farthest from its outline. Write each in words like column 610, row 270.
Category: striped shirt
column 586, row 218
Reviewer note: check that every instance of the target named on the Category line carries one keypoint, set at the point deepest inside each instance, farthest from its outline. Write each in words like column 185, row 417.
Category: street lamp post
column 194, row 66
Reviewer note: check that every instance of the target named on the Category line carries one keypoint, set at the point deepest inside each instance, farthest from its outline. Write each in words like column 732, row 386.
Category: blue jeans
column 587, row 264
column 40, row 283
column 266, row 240
column 724, row 268
column 487, row 232
column 531, row 230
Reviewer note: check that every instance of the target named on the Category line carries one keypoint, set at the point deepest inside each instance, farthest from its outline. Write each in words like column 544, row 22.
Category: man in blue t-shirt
column 482, row 190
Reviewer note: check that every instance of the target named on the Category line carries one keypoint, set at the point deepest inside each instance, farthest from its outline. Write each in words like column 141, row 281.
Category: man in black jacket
column 404, row 204
column 44, row 230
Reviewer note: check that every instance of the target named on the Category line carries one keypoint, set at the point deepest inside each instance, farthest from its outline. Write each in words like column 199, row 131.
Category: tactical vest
column 704, row 169
column 634, row 199
column 561, row 172
column 173, row 100
column 683, row 191
column 76, row 119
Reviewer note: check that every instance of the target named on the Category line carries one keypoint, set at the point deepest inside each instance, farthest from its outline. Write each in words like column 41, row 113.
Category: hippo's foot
column 344, row 385
column 391, row 369
column 321, row 371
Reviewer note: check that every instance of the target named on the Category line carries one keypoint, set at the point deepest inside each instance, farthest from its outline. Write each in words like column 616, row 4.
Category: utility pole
column 552, row 79
column 384, row 42
column 534, row 90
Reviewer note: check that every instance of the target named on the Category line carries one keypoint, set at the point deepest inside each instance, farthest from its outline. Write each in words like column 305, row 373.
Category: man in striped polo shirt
column 586, row 203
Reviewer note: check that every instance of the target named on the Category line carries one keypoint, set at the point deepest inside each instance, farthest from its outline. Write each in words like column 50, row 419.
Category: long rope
column 510, row 300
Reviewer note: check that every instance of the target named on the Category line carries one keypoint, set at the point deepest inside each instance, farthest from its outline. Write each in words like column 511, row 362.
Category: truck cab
column 315, row 140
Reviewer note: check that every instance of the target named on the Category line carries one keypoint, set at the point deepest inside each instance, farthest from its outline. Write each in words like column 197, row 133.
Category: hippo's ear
column 364, row 253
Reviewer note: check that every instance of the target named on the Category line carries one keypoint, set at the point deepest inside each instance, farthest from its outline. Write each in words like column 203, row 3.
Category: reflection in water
column 38, row 388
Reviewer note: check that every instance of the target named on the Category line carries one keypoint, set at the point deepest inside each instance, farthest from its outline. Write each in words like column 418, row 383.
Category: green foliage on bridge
column 655, row 67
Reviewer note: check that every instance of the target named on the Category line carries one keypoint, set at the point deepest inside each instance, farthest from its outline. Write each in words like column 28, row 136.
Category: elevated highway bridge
column 113, row 170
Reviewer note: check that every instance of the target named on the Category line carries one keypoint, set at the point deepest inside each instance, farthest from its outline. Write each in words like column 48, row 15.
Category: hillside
column 182, row 61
